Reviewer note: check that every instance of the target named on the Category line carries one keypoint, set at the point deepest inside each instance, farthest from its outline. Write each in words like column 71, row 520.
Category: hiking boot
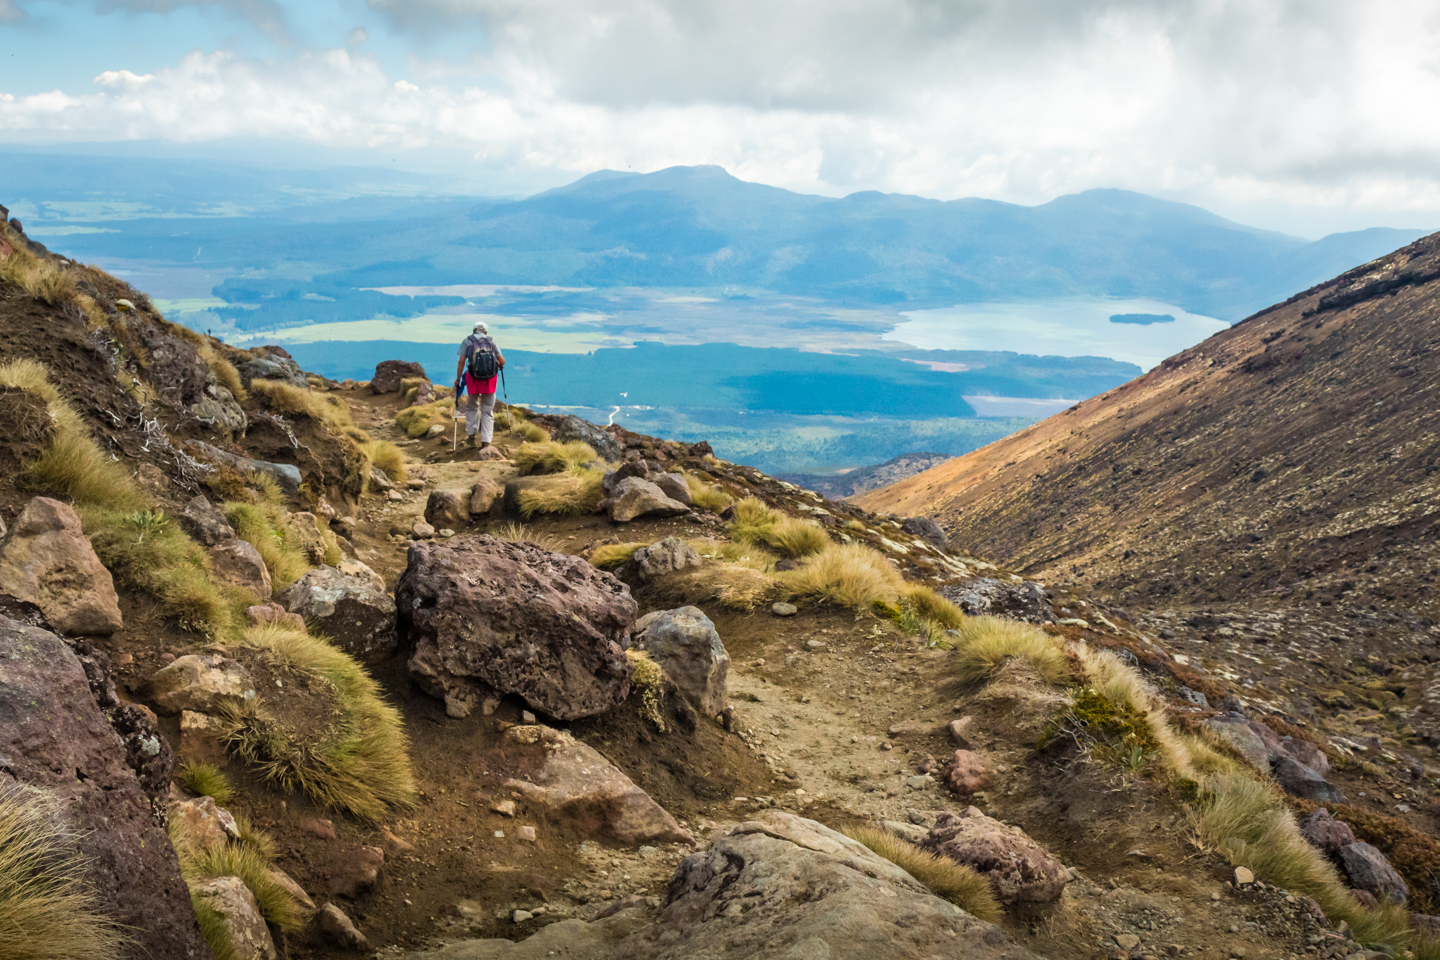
column 470, row 441
column 484, row 444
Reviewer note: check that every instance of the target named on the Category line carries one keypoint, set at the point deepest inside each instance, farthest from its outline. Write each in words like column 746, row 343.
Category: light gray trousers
column 483, row 419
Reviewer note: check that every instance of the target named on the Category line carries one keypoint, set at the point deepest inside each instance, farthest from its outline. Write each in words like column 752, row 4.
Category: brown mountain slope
column 1292, row 457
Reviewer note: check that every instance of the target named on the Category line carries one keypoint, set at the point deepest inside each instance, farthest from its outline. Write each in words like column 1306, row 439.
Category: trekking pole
column 455, row 420
column 509, row 417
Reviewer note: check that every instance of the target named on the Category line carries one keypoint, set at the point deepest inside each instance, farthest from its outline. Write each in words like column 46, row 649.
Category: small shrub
column 568, row 495
column 961, row 885
column 46, row 910
column 649, row 682
column 612, row 555
column 359, row 763
column 707, row 496
column 388, row 458
column 987, row 642
column 206, row 780
column 851, row 575
column 552, row 457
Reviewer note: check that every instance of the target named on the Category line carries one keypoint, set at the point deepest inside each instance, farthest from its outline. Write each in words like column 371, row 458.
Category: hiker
column 479, row 366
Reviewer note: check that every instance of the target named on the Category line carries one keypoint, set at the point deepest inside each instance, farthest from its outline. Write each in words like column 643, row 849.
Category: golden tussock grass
column 205, row 780
column 570, row 494
column 931, row 606
column 266, row 527
column 551, row 456
column 519, row 533
column 301, row 401
column 750, row 555
column 961, row 885
column 728, row 584
column 360, row 763
column 72, row 464
column 225, row 373
column 47, row 912
column 851, row 575
column 248, row 860
column 707, row 496
column 647, row 684
column 388, row 458
column 986, row 643
column 527, row 432
column 611, row 555
column 416, row 421
column 789, row 536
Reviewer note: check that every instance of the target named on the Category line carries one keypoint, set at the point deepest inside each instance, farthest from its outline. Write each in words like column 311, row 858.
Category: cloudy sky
column 1302, row 115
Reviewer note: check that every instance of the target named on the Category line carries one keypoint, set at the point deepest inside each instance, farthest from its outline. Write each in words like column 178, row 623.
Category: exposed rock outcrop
column 1020, row 870
column 484, row 615
column 351, row 606
column 634, row 498
column 204, row 522
column 574, row 428
column 389, row 373
column 237, row 562
column 670, row 555
column 203, row 682
column 46, row 560
column 688, row 649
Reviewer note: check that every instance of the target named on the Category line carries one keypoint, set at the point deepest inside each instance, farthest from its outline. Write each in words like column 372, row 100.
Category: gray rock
column 203, row 682
column 782, row 609
column 777, row 888
column 233, row 901
column 926, row 529
column 582, row 790
column 286, row 474
column 673, row 485
column 574, row 428
column 986, row 596
column 1303, row 751
column 204, row 522
column 484, row 615
column 1326, row 833
column 1020, row 870
column 238, row 562
column 1246, row 741
column 332, row 922
column 220, row 407
column 1300, row 781
column 670, row 555
column 1368, row 870
column 283, row 369
column 1194, row 698
column 634, row 498
column 449, row 508
column 380, row 480
column 350, row 604
column 630, row 468
column 689, row 651
column 45, row 559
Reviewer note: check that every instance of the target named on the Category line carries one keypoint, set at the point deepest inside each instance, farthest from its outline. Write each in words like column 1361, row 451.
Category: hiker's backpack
column 484, row 361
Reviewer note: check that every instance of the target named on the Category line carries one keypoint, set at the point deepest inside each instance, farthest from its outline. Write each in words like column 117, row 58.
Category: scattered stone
column 919, row 782
column 926, row 529
column 630, row 468
column 634, row 498
column 294, row 889
column 782, row 609
column 46, row 560
column 203, row 682
column 506, row 808
column 670, row 555
column 582, row 790
column 200, row 738
column 1368, row 870
column 526, row 833
column 204, row 522
column 323, row 829
column 1299, row 780
column 380, row 480
column 1243, row 875
column 1127, row 941
column 237, row 562
column 351, row 605
column 450, row 508
column 816, row 645
column 1326, row 833
column 673, row 485
column 311, row 534
column 688, row 649
column 489, row 453
column 436, row 430
column 959, row 731
column 488, row 616
column 331, row 921
column 389, row 373
column 266, row 613
column 204, row 824
column 1019, row 868
column 484, row 494
column 520, row 916
column 233, row 901
column 358, row 873
column 966, row 774
column 527, row 717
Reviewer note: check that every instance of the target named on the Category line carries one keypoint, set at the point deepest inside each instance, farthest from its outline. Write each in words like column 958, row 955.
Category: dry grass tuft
column 931, row 606
column 46, row 910
column 571, row 494
column 987, row 642
column 206, row 780
column 388, row 458
column 647, row 680
column 416, row 421
column 248, row 860
column 611, row 555
column 519, row 533
column 961, row 885
column 300, row 401
column 267, row 528
column 728, row 584
column 851, row 575
column 791, row 537
column 744, row 555
column 225, row 373
column 707, row 496
column 552, row 457
column 359, row 762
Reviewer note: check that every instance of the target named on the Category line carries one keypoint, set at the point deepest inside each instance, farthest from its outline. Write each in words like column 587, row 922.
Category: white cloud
column 1268, row 104
column 10, row 12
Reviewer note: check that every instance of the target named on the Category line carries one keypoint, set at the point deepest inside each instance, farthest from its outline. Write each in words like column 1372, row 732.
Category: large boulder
column 634, row 498
column 389, row 373
column 670, row 555
column 449, row 508
column 46, row 560
column 777, row 888
column 1300, row 781
column 204, row 522
column 630, row 468
column 1325, row 833
column 233, row 901
column 1020, row 870
column 273, row 367
column 689, row 651
column 925, row 529
column 221, row 409
column 673, row 485
column 484, row 615
column 1368, row 870
column 1243, row 737
column 484, row 494
column 574, row 428
column 237, row 562
column 54, row 737
column 350, row 605
column 202, row 682
column 583, row 791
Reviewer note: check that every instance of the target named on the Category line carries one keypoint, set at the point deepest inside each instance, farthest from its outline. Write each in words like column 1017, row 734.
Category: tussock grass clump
column 72, row 464
column 744, row 555
column 214, row 929
column 249, row 861
column 145, row 549
column 417, row 420
column 300, row 401
column 46, row 910
column 527, row 432
column 707, row 496
column 851, row 575
column 388, row 458
column 987, row 642
column 731, row 585
column 648, row 681
column 206, row 780
column 266, row 527
column 961, row 885
column 519, row 533
column 790, row 536
column 552, row 457
column 225, row 373
column 570, row 494
column 930, row 605
column 359, row 762
column 611, row 555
